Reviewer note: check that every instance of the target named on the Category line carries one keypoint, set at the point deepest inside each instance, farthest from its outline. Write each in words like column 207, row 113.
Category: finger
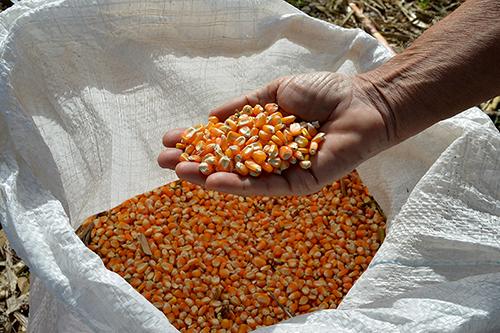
column 265, row 185
column 169, row 158
column 294, row 181
column 172, row 137
column 189, row 171
column 306, row 96
column 263, row 95
column 224, row 111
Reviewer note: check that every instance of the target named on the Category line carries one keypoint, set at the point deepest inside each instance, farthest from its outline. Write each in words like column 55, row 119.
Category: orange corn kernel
column 285, row 152
column 259, row 156
column 241, row 169
column 271, row 108
column 253, row 166
column 265, row 126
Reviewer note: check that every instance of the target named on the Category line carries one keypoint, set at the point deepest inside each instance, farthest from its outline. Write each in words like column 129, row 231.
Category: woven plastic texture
column 89, row 87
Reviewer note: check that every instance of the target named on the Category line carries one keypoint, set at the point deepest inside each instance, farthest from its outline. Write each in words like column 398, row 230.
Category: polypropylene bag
column 89, row 87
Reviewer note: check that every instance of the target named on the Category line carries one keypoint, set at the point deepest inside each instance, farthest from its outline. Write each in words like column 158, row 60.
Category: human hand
column 350, row 112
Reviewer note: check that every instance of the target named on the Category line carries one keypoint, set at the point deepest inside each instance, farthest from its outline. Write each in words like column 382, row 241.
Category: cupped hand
column 351, row 113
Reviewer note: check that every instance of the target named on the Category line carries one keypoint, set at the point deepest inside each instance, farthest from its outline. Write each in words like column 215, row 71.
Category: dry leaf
column 84, row 234
column 23, row 284
column 144, row 244
column 3, row 238
column 10, row 274
column 15, row 303
column 22, row 319
column 412, row 17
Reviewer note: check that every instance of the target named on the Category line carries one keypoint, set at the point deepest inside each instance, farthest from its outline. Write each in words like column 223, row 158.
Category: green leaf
column 423, row 3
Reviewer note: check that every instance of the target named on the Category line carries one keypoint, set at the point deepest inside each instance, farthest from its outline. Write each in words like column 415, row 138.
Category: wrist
column 382, row 100
column 413, row 91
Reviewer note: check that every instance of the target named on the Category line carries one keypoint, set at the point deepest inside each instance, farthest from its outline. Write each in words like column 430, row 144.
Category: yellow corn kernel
column 252, row 140
column 311, row 129
column 301, row 141
column 216, row 132
column 210, row 159
column 277, row 140
column 235, row 149
column 194, row 158
column 305, row 164
column 252, row 166
column 241, row 168
column 276, row 119
column 218, row 152
column 223, row 142
column 200, row 146
column 287, row 135
column 275, row 162
column 188, row 134
column 304, row 151
column 284, row 165
column 264, row 136
column 232, row 136
column 298, row 155
column 282, row 137
column 260, row 120
column 209, row 149
column 305, row 133
column 288, row 119
column 254, row 173
column 196, row 138
column 247, row 109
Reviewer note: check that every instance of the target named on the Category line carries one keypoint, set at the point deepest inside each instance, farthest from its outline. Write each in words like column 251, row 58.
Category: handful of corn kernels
column 251, row 141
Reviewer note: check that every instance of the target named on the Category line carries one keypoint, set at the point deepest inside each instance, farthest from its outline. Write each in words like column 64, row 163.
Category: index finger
column 294, row 181
column 263, row 95
column 172, row 137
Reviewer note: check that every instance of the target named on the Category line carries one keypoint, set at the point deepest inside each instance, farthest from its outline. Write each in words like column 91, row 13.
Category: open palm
column 355, row 130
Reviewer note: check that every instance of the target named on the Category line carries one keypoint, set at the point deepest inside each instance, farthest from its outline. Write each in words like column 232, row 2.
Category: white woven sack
column 87, row 90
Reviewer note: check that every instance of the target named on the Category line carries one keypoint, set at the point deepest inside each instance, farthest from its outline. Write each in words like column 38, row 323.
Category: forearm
column 451, row 67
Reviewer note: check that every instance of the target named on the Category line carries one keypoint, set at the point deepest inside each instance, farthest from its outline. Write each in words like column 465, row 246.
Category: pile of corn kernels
column 252, row 141
column 215, row 262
